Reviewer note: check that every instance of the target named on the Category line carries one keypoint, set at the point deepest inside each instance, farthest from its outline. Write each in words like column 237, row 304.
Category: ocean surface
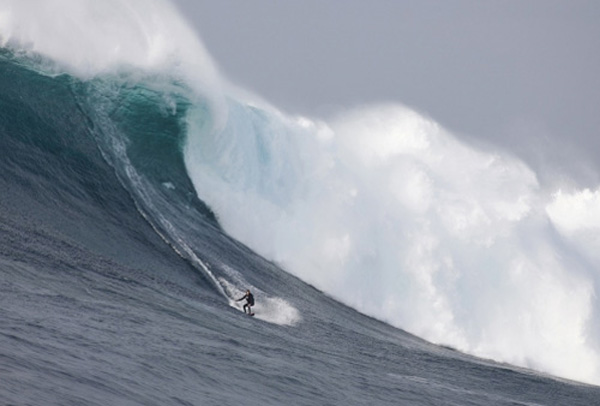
column 391, row 262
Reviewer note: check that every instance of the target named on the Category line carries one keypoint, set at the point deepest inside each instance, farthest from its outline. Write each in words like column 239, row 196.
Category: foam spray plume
column 379, row 207
column 89, row 38
column 391, row 214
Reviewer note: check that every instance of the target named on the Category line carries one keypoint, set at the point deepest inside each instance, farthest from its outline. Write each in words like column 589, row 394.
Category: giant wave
column 379, row 207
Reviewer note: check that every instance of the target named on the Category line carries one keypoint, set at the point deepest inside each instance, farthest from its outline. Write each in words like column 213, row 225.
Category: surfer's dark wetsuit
column 249, row 301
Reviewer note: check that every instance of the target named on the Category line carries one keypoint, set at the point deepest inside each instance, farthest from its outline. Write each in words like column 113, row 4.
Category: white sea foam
column 577, row 217
column 388, row 212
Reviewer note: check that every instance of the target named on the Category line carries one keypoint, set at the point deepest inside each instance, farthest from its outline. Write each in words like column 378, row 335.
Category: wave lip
column 89, row 38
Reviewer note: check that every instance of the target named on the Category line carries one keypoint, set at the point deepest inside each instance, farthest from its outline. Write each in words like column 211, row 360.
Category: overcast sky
column 522, row 74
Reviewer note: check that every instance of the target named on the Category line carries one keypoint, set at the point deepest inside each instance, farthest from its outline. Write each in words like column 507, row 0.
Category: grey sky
column 522, row 74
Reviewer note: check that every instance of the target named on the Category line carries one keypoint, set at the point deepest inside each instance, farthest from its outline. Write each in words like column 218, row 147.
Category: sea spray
column 88, row 38
column 391, row 214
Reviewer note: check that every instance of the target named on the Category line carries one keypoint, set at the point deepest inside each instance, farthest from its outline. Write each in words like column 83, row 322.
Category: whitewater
column 179, row 190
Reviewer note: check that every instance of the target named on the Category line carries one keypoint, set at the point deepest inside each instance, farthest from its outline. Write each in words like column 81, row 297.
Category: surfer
column 249, row 301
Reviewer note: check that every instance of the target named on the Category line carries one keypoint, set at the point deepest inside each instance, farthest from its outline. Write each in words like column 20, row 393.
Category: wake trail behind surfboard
column 270, row 309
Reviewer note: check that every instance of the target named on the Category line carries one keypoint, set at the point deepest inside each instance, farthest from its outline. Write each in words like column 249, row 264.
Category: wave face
column 127, row 169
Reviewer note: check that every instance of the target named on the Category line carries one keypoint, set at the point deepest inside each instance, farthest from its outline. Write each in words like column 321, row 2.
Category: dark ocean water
column 116, row 281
